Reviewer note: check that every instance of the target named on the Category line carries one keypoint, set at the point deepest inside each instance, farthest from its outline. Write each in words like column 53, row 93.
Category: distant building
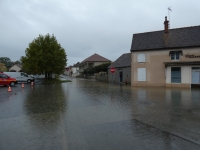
column 92, row 61
column 75, row 69
column 72, row 70
column 16, row 68
column 122, row 69
column 68, row 71
column 168, row 58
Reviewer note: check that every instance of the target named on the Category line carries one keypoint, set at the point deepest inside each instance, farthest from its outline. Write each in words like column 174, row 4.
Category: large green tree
column 44, row 55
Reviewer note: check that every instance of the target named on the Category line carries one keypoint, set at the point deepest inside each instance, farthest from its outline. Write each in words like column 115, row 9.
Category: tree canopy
column 6, row 61
column 44, row 55
column 2, row 67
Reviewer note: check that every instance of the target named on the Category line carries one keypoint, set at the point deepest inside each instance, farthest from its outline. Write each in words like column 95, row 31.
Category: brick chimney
column 166, row 24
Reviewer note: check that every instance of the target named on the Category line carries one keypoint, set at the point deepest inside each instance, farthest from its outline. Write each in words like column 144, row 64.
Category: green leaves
column 6, row 61
column 100, row 68
column 44, row 55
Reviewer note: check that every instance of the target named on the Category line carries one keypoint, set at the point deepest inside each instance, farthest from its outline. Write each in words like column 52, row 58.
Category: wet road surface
column 90, row 115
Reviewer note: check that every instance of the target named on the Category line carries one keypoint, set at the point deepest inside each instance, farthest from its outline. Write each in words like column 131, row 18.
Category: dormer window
column 175, row 55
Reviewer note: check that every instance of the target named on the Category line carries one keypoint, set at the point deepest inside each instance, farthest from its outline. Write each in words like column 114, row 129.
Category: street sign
column 112, row 69
column 67, row 69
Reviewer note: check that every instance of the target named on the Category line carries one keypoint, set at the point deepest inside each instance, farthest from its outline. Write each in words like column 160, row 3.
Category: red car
column 6, row 80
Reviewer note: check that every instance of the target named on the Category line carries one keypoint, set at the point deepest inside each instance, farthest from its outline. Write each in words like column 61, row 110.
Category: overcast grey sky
column 85, row 27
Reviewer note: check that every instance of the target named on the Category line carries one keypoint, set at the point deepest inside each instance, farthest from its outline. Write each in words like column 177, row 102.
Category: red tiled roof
column 95, row 58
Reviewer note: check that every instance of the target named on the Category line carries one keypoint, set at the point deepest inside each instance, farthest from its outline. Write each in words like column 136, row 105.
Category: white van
column 20, row 76
column 42, row 76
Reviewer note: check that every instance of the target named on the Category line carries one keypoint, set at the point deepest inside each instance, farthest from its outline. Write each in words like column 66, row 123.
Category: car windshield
column 3, row 76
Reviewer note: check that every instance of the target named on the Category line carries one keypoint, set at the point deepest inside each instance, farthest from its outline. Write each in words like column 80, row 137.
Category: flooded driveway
column 91, row 115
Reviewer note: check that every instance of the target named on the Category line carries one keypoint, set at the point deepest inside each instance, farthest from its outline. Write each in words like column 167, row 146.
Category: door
column 195, row 77
column 120, row 76
column 21, row 77
column 2, row 82
column 3, row 79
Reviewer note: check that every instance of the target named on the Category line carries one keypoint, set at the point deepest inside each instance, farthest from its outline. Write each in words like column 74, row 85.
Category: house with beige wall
column 168, row 58
column 16, row 67
column 92, row 61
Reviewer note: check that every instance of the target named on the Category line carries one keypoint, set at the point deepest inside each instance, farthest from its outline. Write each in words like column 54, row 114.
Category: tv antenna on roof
column 169, row 9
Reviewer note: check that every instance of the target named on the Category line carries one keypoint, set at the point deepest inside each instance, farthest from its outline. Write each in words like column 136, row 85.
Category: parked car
column 20, row 76
column 6, row 80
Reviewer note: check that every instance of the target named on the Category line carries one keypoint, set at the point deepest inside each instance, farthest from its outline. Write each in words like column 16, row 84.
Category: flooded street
column 90, row 115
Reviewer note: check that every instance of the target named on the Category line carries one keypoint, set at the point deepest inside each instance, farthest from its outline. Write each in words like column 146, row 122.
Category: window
column 3, row 76
column 175, row 74
column 141, row 58
column 175, row 56
column 141, row 74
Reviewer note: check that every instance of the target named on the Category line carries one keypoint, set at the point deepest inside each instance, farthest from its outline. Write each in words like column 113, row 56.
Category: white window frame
column 141, row 58
column 175, row 54
column 141, row 74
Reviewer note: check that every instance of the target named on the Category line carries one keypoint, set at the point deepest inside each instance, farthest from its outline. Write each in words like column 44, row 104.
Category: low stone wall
column 101, row 76
column 89, row 77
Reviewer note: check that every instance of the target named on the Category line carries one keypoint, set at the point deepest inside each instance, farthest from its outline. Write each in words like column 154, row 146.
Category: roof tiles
column 123, row 61
column 95, row 58
column 175, row 38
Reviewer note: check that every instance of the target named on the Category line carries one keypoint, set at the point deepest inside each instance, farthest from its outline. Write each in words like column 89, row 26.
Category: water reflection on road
column 85, row 114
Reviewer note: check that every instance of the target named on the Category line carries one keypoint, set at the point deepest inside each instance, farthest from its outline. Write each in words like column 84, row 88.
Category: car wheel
column 12, row 83
column 28, row 81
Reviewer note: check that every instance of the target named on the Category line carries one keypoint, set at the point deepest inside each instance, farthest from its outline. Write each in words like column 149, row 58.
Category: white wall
column 15, row 67
column 186, row 74
column 168, row 75
column 75, row 71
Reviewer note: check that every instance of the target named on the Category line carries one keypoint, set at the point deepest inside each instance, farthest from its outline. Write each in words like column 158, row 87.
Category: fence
column 101, row 76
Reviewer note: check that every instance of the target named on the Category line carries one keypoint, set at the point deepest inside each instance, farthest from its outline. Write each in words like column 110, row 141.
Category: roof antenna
column 169, row 9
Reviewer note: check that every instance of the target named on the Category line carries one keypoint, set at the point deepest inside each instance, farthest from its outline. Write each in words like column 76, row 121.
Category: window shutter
column 141, row 58
column 141, row 74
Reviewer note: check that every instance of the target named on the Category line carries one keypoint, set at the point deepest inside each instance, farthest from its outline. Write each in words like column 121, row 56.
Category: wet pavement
column 91, row 115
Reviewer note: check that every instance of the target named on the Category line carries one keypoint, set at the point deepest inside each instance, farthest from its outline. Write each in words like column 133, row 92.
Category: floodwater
column 90, row 115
